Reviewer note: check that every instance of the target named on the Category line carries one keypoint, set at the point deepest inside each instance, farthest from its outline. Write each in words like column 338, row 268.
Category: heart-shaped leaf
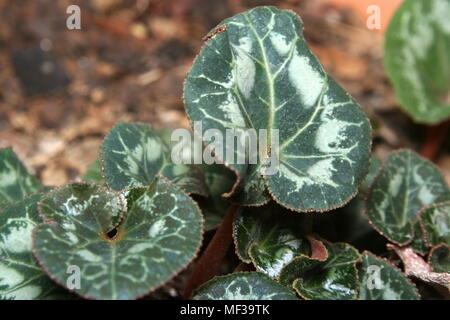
column 333, row 279
column 219, row 180
column 15, row 181
column 439, row 258
column 417, row 60
column 20, row 274
column 269, row 237
column 243, row 286
column 382, row 281
column 256, row 72
column 133, row 153
column 405, row 184
column 159, row 235
column 418, row 243
column 435, row 222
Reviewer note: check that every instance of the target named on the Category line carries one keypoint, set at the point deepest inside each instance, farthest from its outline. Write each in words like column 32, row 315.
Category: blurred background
column 62, row 90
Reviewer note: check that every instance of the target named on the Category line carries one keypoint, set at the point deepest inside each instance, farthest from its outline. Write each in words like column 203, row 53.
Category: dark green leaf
column 435, row 221
column 417, row 59
column 94, row 173
column 333, row 279
column 382, row 281
column 243, row 286
column 15, row 181
column 133, row 153
column 20, row 274
column 269, row 237
column 406, row 183
column 439, row 258
column 159, row 236
column 257, row 72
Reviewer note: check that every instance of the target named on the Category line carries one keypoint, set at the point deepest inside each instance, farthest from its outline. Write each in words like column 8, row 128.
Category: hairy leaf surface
column 243, row 286
column 417, row 59
column 406, row 183
column 257, row 72
column 382, row 281
column 159, row 236
column 333, row 279
column 133, row 153
column 15, row 181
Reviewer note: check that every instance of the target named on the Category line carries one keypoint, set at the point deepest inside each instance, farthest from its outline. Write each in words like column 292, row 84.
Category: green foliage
column 133, row 154
column 243, row 286
column 382, row 281
column 158, row 237
column 405, row 184
column 417, row 60
column 335, row 278
column 256, row 71
column 15, row 181
column 139, row 217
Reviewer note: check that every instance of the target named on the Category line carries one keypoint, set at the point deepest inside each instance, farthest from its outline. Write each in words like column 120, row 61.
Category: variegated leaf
column 418, row 243
column 417, row 60
column 333, row 279
column 269, row 237
column 439, row 258
column 382, row 281
column 20, row 274
column 243, row 286
column 257, row 72
column 133, row 153
column 406, row 183
column 159, row 235
column 435, row 223
column 15, row 181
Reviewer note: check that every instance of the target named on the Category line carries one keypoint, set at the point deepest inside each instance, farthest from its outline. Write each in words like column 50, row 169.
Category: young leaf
column 133, row 153
column 405, row 184
column 159, row 236
column 20, row 274
column 333, row 279
column 269, row 237
column 418, row 243
column 439, row 258
column 417, row 60
column 15, row 181
column 243, row 286
column 435, row 222
column 257, row 72
column 382, row 281
column 219, row 180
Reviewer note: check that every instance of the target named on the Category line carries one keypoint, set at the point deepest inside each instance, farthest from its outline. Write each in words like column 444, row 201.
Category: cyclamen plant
column 125, row 232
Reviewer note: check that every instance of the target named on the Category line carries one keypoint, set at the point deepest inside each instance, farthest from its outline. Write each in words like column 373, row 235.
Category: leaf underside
column 417, row 60
column 243, row 286
column 405, row 184
column 382, row 281
column 133, row 154
column 159, row 236
column 260, row 74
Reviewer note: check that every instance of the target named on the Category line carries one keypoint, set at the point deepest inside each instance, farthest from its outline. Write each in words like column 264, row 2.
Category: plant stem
column 208, row 264
column 435, row 136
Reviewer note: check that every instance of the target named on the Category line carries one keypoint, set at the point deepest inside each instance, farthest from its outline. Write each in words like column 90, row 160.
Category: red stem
column 208, row 264
column 435, row 136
